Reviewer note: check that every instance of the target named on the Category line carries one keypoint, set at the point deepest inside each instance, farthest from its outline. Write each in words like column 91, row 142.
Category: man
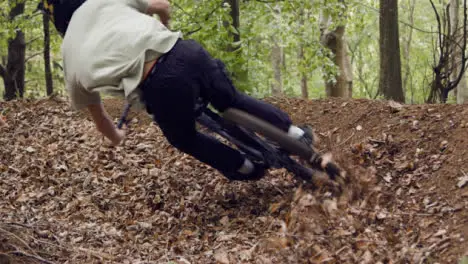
column 116, row 45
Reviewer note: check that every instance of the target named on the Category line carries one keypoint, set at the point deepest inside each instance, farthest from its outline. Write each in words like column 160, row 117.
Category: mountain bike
column 262, row 142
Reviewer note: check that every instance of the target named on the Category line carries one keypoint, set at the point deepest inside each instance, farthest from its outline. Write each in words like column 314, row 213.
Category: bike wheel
column 288, row 143
column 269, row 131
column 252, row 146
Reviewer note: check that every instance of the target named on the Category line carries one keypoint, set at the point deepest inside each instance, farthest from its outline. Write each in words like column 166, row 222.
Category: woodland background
column 300, row 48
column 66, row 197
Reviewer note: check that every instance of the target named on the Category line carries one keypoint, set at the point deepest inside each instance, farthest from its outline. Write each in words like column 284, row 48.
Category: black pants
column 170, row 93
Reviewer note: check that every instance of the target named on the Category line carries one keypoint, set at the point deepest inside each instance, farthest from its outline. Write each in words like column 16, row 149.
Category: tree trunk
column 390, row 62
column 335, row 41
column 456, row 32
column 277, row 55
column 276, row 61
column 239, row 72
column 13, row 73
column 462, row 91
column 347, row 67
column 407, row 49
column 235, row 14
column 304, row 87
column 47, row 68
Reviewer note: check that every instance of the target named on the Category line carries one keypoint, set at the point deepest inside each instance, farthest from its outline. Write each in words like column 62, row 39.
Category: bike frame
column 251, row 145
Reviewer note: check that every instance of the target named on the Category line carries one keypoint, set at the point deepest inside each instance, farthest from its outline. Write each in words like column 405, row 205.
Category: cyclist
column 118, row 46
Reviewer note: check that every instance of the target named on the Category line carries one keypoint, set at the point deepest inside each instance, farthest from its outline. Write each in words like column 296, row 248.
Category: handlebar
column 123, row 117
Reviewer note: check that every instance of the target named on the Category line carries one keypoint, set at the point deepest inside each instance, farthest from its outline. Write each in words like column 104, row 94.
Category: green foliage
column 290, row 24
column 464, row 260
column 30, row 22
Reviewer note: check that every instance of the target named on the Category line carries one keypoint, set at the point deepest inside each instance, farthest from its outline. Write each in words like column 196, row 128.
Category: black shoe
column 259, row 170
column 258, row 173
column 308, row 137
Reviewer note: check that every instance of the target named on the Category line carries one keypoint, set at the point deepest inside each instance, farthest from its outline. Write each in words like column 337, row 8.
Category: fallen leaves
column 221, row 257
column 395, row 106
column 74, row 199
column 462, row 181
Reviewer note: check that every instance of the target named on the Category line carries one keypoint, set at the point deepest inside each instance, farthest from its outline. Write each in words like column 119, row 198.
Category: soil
column 66, row 196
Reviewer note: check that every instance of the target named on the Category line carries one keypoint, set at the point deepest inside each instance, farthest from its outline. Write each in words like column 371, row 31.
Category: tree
column 238, row 72
column 406, row 50
column 277, row 62
column 277, row 54
column 335, row 41
column 451, row 62
column 47, row 68
column 390, row 63
column 258, row 44
column 456, row 31
column 304, row 86
column 301, row 59
column 14, row 71
column 235, row 16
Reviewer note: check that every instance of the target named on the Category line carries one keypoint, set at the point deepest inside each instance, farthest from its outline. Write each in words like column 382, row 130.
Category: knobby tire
column 288, row 143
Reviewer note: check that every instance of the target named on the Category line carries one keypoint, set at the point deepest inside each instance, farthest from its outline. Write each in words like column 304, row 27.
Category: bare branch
column 32, row 40
column 206, row 18
column 32, row 56
column 21, row 253
column 446, row 65
column 193, row 31
column 438, row 21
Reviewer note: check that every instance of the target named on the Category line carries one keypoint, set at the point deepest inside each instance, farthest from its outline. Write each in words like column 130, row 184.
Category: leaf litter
column 67, row 197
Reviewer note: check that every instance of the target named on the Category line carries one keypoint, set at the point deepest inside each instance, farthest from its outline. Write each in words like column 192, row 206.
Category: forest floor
column 66, row 197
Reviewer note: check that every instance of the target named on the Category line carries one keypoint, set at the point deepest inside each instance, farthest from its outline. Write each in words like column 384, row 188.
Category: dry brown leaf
column 146, row 202
column 221, row 256
column 462, row 181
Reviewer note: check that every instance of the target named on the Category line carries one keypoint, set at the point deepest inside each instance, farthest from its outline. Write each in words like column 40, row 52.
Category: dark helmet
column 60, row 12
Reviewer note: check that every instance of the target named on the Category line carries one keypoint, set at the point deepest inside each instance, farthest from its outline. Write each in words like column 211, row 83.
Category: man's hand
column 105, row 125
column 119, row 137
column 165, row 17
column 162, row 8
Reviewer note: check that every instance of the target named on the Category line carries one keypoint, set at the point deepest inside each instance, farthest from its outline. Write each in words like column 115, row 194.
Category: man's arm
column 104, row 124
column 162, row 8
column 81, row 98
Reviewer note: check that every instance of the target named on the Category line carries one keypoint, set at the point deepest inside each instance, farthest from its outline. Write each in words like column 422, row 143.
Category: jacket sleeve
column 80, row 97
column 140, row 5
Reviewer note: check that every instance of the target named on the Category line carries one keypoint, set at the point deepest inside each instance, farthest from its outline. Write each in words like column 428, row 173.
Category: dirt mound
column 67, row 197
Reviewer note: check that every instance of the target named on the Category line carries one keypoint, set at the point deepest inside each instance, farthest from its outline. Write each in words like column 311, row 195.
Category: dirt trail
column 67, row 197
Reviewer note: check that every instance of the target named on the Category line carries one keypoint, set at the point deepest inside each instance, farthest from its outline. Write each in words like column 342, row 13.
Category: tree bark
column 276, row 61
column 235, row 15
column 13, row 73
column 47, row 68
column 335, row 41
column 239, row 72
column 407, row 49
column 301, row 58
column 390, row 62
column 304, row 86
column 277, row 55
column 460, row 90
